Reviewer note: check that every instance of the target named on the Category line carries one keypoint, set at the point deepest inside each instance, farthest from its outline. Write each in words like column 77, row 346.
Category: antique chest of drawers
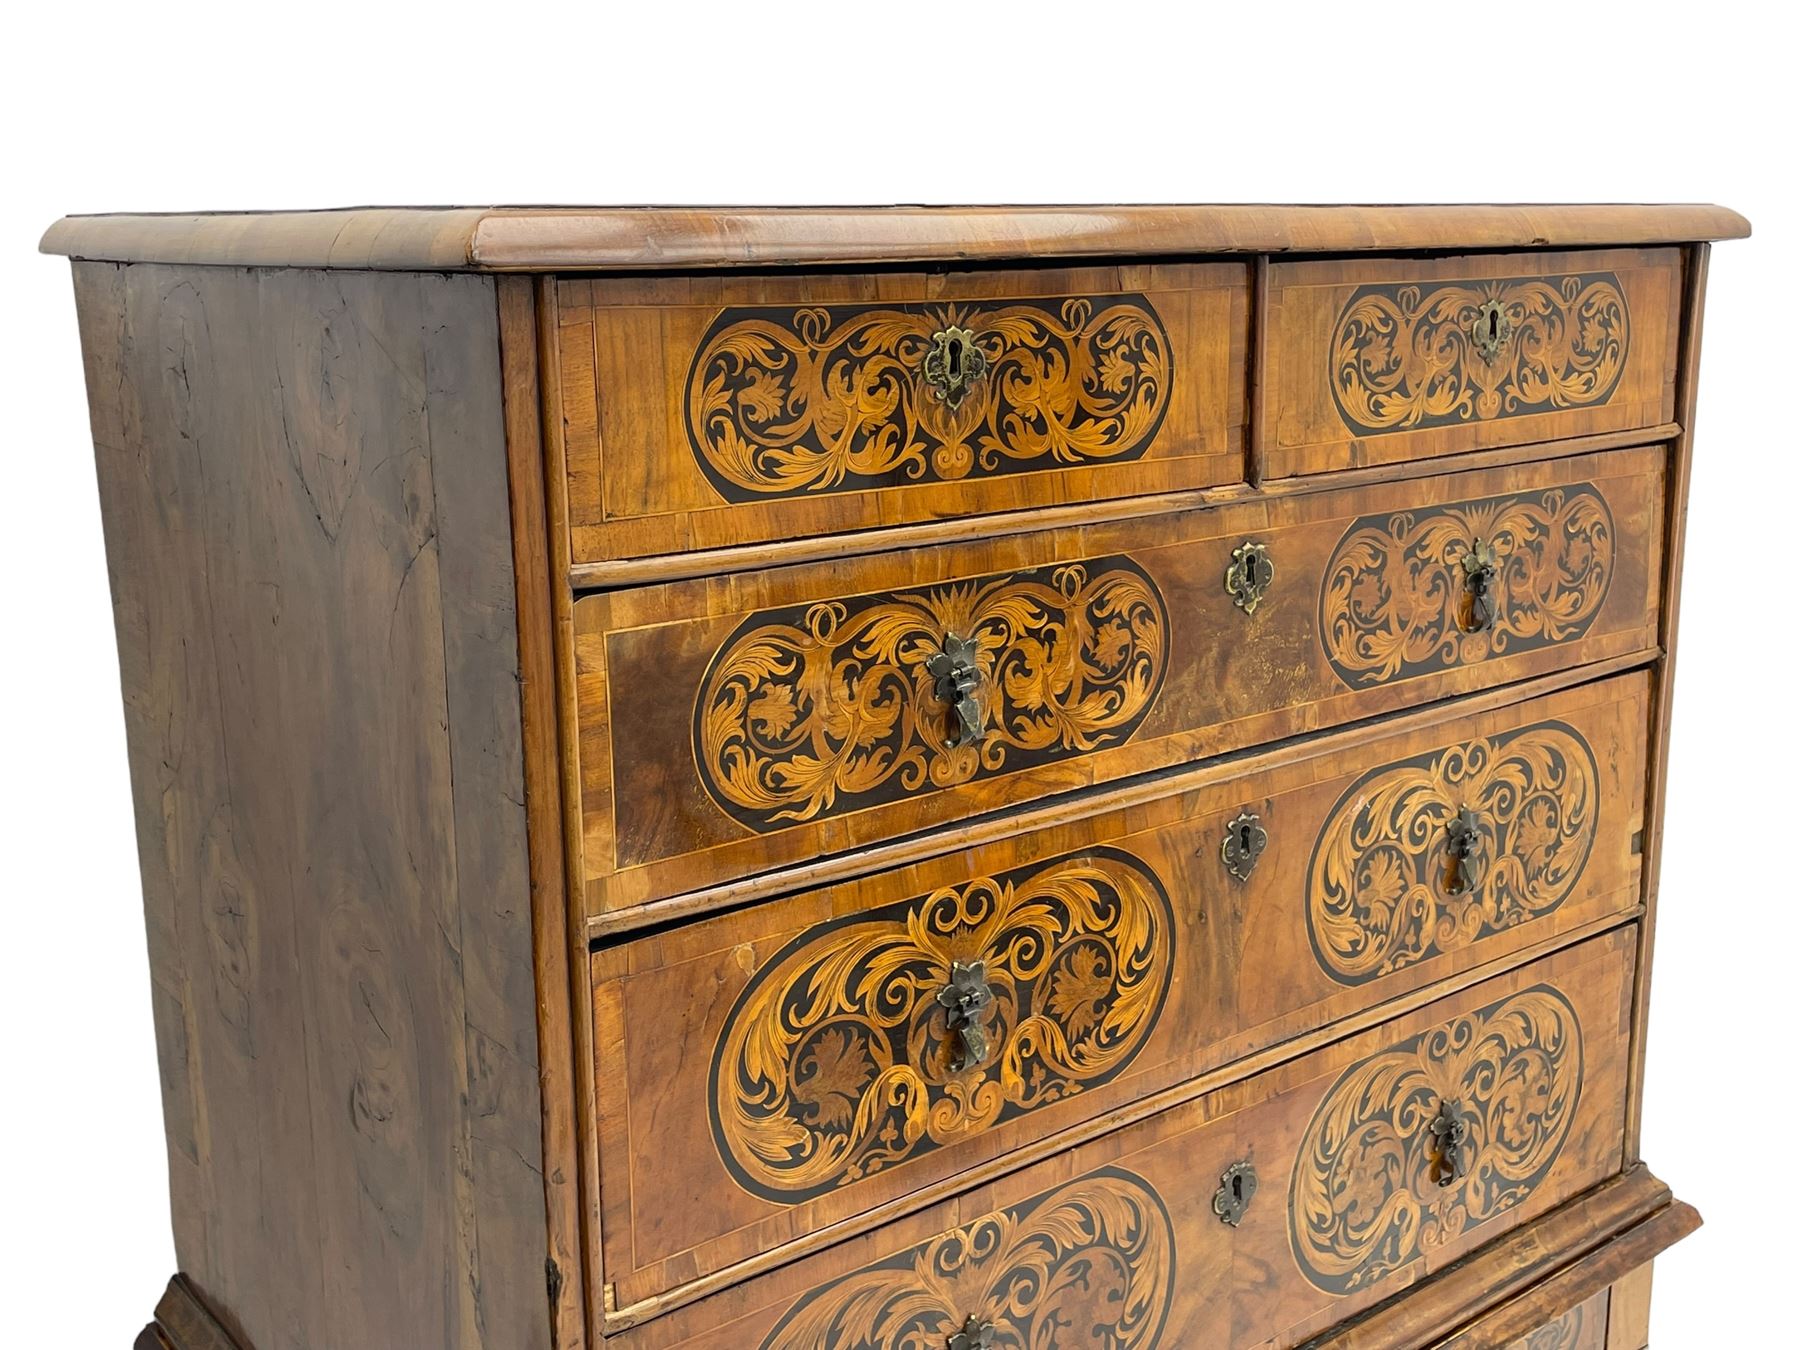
column 902, row 779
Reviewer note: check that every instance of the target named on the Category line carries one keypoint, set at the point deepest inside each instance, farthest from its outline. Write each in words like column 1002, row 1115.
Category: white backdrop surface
column 207, row 105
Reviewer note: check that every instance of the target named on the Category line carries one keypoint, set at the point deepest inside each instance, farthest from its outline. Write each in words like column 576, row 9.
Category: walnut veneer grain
column 753, row 785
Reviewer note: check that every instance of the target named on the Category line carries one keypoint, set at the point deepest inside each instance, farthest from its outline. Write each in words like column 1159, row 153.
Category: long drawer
column 733, row 725
column 706, row 411
column 1254, row 1216
column 766, row 1074
column 1377, row 360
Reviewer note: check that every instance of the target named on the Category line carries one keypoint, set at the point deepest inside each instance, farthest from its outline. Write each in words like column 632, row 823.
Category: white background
column 183, row 106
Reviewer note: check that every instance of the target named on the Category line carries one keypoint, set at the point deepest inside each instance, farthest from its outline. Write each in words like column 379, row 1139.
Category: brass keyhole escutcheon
column 1491, row 330
column 1237, row 1188
column 1245, row 840
column 953, row 364
column 1250, row 575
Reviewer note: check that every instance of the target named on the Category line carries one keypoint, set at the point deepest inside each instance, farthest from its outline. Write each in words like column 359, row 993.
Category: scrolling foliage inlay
column 1089, row 1264
column 1562, row 1334
column 837, row 1061
column 819, row 709
column 1379, row 899
column 1395, row 601
column 783, row 401
column 1405, row 358
column 1366, row 1197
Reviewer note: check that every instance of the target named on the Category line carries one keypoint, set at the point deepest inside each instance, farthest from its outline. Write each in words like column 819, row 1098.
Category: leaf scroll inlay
column 1394, row 604
column 836, row 1062
column 1565, row 1333
column 1377, row 899
column 820, row 709
column 1365, row 1198
column 1090, row 1265
column 784, row 401
column 1403, row 357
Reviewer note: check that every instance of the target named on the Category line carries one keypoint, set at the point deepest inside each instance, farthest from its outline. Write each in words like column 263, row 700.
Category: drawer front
column 1372, row 361
column 703, row 412
column 735, row 725
column 766, row 1074
column 1257, row 1215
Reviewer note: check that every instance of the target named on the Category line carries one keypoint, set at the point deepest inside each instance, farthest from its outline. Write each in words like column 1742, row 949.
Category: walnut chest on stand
column 916, row 778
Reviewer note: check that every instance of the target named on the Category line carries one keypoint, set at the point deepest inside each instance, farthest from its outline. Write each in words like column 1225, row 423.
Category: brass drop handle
column 956, row 674
column 1450, row 1138
column 1462, row 850
column 1237, row 1188
column 954, row 362
column 976, row 1334
column 1491, row 329
column 965, row 1001
column 1479, row 572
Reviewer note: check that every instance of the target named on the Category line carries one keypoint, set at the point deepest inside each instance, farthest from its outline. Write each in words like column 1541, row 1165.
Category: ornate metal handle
column 1251, row 573
column 1245, row 840
column 1490, row 330
column 976, row 1334
column 957, row 674
column 1463, row 849
column 953, row 363
column 1450, row 1134
column 1237, row 1188
column 1479, row 571
column 964, row 1000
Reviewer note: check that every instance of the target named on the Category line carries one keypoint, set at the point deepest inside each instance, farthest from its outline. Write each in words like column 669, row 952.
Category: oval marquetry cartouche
column 1383, row 891
column 1397, row 598
column 1408, row 355
column 1369, row 1192
column 826, row 708
column 1097, row 1254
column 1574, row 1330
column 793, row 400
column 839, row 1060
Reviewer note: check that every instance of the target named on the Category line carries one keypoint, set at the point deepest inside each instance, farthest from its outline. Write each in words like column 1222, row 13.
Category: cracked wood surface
column 304, row 488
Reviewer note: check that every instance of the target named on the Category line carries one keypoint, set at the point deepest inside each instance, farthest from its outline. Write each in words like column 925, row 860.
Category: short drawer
column 704, row 412
column 735, row 725
column 1257, row 1215
column 1373, row 361
column 767, row 1074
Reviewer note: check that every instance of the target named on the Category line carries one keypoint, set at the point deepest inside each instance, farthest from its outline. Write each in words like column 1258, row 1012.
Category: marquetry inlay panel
column 1091, row 1263
column 1397, row 598
column 1409, row 355
column 793, row 400
column 1388, row 887
column 1374, row 1186
column 838, row 1060
column 819, row 709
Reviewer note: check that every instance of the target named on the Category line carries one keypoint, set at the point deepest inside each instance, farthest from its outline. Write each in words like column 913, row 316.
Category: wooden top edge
column 538, row 239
